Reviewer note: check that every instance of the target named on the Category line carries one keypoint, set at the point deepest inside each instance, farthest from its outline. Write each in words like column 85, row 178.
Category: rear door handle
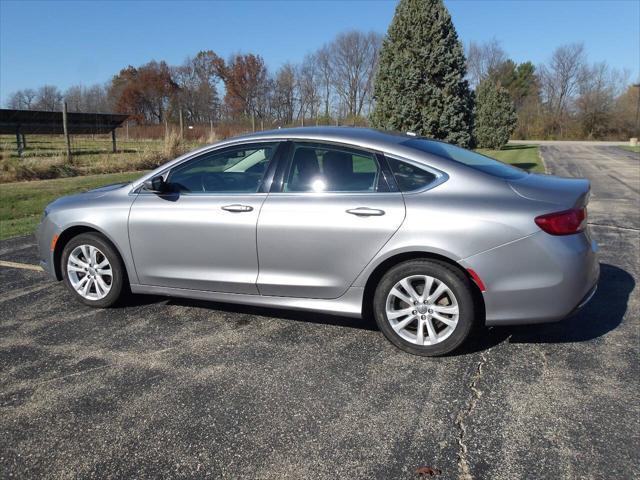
column 237, row 208
column 366, row 212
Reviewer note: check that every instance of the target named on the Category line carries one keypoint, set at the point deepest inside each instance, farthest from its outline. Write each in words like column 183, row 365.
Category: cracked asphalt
column 176, row 388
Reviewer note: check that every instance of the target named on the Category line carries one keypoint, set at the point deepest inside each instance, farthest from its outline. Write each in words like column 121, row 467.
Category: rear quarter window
column 410, row 178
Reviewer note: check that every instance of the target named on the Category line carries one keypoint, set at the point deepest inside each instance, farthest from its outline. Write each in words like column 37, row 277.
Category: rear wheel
column 92, row 270
column 424, row 307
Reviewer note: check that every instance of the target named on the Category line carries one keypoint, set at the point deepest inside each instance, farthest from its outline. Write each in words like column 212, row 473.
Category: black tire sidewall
column 117, row 269
column 456, row 280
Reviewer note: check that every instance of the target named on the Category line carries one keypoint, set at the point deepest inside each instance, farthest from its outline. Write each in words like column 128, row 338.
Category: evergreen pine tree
column 420, row 85
column 495, row 115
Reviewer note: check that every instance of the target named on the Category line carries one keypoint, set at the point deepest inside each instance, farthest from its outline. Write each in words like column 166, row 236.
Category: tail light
column 566, row 222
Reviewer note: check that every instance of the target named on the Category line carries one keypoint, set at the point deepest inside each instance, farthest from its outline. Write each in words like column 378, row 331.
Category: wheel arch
column 390, row 262
column 73, row 231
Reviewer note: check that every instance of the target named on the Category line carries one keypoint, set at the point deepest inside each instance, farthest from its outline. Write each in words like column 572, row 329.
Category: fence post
column 113, row 141
column 24, row 142
column 181, row 125
column 18, row 143
column 65, row 127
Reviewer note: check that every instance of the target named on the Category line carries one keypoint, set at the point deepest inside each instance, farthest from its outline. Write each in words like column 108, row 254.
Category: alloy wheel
column 89, row 272
column 422, row 310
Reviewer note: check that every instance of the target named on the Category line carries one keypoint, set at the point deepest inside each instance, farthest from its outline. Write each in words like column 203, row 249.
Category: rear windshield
column 467, row 157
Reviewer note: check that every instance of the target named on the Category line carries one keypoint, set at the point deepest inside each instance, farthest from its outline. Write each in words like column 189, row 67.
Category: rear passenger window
column 324, row 168
column 409, row 177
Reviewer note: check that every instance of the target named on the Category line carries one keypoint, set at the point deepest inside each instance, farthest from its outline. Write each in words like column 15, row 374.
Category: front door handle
column 237, row 208
column 366, row 212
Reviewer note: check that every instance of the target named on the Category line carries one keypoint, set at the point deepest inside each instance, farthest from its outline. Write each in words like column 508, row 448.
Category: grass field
column 526, row 157
column 630, row 148
column 22, row 203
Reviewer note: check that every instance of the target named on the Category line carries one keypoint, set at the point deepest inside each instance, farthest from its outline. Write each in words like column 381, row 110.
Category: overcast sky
column 77, row 42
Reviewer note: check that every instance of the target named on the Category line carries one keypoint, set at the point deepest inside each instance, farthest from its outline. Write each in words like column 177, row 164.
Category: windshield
column 467, row 157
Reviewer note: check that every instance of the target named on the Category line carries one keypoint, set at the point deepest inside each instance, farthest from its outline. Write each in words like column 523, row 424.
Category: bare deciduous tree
column 354, row 58
column 87, row 99
column 482, row 59
column 323, row 60
column 308, row 86
column 284, row 99
column 598, row 87
column 22, row 99
column 559, row 81
column 48, row 97
column 196, row 94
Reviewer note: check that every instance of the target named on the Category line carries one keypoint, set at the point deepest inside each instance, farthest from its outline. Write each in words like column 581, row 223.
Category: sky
column 68, row 43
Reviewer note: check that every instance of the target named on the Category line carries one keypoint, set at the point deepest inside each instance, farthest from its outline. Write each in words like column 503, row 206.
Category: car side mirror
column 156, row 185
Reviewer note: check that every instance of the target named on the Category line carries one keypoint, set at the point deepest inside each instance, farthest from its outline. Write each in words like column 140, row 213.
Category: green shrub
column 496, row 117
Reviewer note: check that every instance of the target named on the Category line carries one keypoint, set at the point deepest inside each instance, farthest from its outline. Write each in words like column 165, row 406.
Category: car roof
column 357, row 136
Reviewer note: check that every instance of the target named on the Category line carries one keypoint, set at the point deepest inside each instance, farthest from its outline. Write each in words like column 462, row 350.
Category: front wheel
column 92, row 270
column 424, row 307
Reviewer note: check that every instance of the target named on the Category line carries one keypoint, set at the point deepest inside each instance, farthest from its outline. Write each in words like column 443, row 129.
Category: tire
column 97, row 294
column 405, row 332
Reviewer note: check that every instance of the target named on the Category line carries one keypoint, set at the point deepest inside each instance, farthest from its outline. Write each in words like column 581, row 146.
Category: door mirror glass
column 156, row 185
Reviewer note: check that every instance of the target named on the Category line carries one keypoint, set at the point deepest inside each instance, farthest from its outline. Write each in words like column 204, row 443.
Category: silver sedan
column 426, row 237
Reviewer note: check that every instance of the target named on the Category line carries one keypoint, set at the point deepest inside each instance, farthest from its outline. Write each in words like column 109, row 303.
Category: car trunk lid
column 565, row 192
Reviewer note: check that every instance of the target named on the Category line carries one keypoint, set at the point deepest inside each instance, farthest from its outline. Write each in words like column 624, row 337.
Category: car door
column 201, row 235
column 331, row 212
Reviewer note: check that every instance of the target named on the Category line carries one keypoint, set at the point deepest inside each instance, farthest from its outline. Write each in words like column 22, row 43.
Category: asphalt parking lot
column 177, row 388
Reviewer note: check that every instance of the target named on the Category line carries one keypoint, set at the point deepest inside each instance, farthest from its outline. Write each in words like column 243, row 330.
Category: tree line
column 566, row 97
column 417, row 78
column 335, row 82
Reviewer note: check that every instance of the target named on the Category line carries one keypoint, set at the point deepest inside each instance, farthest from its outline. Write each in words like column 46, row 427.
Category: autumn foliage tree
column 245, row 80
column 144, row 92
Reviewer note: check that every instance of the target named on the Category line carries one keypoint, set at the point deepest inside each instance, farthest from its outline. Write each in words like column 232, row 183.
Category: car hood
column 108, row 188
column 83, row 197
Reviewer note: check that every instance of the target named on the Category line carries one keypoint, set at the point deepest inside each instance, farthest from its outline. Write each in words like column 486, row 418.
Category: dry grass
column 44, row 157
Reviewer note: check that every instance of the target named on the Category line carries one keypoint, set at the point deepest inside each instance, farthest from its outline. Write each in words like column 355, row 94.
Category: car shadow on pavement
column 300, row 316
column 602, row 314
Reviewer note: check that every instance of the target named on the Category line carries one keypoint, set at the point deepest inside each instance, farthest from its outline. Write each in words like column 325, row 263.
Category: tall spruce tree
column 420, row 85
column 495, row 115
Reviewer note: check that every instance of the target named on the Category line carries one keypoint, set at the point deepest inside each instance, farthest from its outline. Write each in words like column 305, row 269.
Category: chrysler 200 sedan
column 427, row 237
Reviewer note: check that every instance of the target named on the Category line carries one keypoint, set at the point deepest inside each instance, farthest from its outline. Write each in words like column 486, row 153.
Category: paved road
column 166, row 388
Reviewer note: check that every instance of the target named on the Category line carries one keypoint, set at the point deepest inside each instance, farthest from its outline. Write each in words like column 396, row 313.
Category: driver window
column 234, row 170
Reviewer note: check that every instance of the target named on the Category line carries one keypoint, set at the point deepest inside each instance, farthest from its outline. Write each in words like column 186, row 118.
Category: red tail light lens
column 566, row 222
